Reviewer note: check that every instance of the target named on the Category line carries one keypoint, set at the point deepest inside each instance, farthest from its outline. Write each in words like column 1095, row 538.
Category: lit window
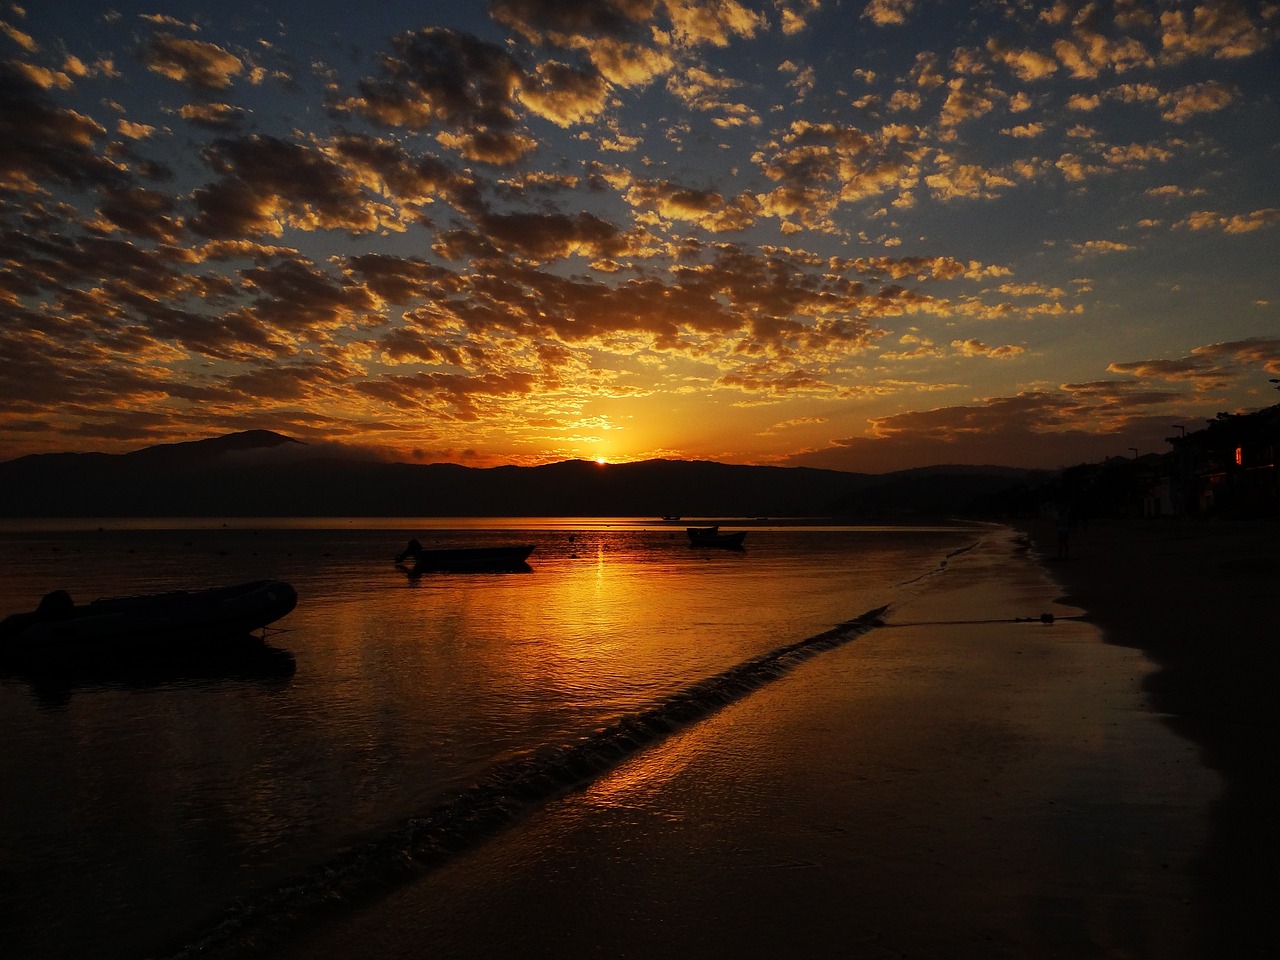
column 1239, row 456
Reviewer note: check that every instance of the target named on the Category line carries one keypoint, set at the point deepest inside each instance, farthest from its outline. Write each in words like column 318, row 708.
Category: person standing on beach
column 1064, row 531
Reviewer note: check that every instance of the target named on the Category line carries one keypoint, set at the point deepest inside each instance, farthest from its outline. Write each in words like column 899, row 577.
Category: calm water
column 138, row 807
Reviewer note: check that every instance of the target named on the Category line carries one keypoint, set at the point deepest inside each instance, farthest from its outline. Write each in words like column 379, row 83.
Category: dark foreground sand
column 954, row 784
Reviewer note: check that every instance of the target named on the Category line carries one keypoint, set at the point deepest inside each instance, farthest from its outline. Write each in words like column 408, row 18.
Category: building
column 1229, row 468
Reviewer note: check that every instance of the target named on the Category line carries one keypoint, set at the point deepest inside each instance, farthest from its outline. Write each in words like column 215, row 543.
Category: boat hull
column 122, row 624
column 712, row 537
column 473, row 559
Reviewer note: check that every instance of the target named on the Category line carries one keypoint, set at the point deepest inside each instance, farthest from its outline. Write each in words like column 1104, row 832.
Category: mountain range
column 262, row 473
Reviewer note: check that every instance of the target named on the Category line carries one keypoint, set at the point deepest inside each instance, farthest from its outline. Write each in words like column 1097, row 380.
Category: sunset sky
column 861, row 235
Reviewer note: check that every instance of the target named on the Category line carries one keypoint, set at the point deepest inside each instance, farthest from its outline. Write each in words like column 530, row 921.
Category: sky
column 858, row 235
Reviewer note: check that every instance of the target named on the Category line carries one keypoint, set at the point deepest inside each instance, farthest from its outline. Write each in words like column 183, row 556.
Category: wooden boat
column 500, row 559
column 712, row 537
column 60, row 628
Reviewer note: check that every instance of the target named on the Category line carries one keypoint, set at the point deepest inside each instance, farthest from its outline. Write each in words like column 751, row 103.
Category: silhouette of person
column 1064, row 532
column 55, row 605
column 412, row 549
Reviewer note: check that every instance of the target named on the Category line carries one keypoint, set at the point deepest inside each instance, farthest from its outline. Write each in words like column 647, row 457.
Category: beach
column 971, row 779
column 1201, row 599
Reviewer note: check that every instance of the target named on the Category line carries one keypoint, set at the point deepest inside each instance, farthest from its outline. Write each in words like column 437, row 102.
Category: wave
column 506, row 793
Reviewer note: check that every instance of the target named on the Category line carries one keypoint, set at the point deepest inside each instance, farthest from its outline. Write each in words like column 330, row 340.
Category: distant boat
column 502, row 559
column 61, row 629
column 712, row 537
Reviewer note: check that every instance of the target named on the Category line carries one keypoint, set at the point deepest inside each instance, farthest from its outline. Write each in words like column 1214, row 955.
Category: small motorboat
column 712, row 537
column 59, row 628
column 499, row 559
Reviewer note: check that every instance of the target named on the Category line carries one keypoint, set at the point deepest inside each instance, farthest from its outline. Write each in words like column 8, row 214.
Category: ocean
column 149, row 811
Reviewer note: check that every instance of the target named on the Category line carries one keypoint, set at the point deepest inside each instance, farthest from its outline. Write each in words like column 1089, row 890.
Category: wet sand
column 1202, row 599
column 954, row 784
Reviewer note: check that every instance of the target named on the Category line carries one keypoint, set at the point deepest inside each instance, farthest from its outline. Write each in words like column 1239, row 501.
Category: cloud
column 976, row 348
column 822, row 165
column 457, row 397
column 966, row 100
column 615, row 35
column 889, row 13
column 973, row 435
column 1235, row 223
column 563, row 94
column 965, row 181
column 552, row 236
column 553, row 21
column 143, row 213
column 1211, row 366
column 196, row 63
column 707, row 208
column 612, row 198
column 1034, row 429
column 1181, row 105
column 917, row 348
column 465, row 87
column 266, row 183
column 715, row 23
column 165, row 20
column 41, row 141
column 294, row 297
column 1084, row 102
column 1027, row 65
column 763, row 378
column 792, row 424
column 795, row 14
column 1098, row 247
column 214, row 116
column 1174, row 191
column 1026, row 131
column 1219, row 29
column 23, row 40
column 42, row 77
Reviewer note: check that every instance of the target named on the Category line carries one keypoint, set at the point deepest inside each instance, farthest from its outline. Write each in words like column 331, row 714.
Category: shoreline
column 964, row 781
column 1199, row 599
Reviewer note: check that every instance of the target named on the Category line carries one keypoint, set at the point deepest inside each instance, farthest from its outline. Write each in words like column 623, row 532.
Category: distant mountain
column 195, row 451
column 261, row 473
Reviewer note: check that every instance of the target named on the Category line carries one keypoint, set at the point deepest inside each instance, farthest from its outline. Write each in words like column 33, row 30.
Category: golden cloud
column 1208, row 97
column 194, row 62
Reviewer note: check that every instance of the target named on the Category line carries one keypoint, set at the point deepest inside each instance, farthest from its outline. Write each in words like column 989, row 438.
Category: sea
column 163, row 808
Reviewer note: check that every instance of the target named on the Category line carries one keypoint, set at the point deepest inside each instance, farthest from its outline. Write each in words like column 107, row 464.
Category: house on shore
column 1227, row 469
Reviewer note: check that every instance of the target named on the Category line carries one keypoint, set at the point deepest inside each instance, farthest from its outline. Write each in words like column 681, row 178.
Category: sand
column 965, row 781
column 1202, row 599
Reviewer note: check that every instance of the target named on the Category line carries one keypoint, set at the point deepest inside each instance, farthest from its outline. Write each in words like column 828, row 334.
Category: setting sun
column 601, row 461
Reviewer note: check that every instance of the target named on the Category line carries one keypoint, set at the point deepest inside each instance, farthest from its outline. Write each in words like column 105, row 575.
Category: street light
column 1135, row 452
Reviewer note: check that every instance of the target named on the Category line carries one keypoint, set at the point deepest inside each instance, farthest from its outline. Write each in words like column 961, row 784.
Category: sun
column 601, row 461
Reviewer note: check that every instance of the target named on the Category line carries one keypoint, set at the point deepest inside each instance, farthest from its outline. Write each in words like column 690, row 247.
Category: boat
column 498, row 559
column 712, row 537
column 61, row 629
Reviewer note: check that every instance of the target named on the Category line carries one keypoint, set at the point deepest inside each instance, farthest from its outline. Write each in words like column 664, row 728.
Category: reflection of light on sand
column 643, row 777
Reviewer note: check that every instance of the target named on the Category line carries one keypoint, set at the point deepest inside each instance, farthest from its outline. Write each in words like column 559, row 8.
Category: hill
column 261, row 473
